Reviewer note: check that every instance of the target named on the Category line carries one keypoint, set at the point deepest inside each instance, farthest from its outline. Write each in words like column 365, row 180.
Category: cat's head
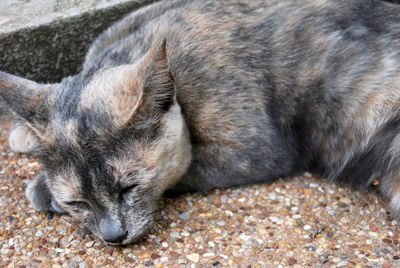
column 109, row 145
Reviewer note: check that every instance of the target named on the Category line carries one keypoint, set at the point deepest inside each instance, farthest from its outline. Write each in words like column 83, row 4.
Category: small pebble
column 194, row 257
column 323, row 259
column 387, row 240
column 126, row 250
column 342, row 264
column 332, row 212
column 307, row 227
column 50, row 216
column 224, row 198
column 208, row 255
column 385, row 251
column 310, row 248
column 274, row 219
column 182, row 261
column 174, row 234
column 291, row 261
column 89, row 244
column 39, row 233
column 72, row 264
column 144, row 255
column 184, row 216
column 155, row 256
column 230, row 213
column 10, row 218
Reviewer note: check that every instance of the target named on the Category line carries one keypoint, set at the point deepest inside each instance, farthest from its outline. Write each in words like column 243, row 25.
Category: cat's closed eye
column 78, row 205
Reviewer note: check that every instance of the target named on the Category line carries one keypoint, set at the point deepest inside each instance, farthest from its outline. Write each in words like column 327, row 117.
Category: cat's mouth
column 127, row 241
column 115, row 244
column 139, row 236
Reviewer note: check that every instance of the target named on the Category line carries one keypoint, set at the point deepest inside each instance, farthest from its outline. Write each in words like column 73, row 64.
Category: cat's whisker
column 210, row 187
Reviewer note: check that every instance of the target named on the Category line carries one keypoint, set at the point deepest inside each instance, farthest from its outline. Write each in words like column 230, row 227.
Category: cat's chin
column 127, row 242
column 130, row 240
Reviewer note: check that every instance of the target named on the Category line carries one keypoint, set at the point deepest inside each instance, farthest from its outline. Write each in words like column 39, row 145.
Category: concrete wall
column 46, row 40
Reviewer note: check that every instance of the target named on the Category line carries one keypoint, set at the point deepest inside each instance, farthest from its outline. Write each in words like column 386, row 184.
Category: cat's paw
column 40, row 197
column 21, row 139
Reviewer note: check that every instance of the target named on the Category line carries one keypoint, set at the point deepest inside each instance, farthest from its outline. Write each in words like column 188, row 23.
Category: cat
column 190, row 95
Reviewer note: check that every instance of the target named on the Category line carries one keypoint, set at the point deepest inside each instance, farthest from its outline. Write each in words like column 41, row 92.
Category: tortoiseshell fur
column 190, row 95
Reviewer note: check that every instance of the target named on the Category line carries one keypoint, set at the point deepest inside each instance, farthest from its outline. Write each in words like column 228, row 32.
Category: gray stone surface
column 46, row 40
column 15, row 14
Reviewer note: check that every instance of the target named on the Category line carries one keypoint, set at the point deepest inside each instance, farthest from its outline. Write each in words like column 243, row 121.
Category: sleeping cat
column 189, row 95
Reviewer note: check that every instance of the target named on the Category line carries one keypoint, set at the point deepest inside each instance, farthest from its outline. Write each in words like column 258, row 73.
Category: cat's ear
column 133, row 91
column 158, row 83
column 25, row 98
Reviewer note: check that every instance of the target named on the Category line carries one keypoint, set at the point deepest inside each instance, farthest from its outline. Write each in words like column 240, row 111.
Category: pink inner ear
column 159, row 87
column 156, row 55
column 170, row 76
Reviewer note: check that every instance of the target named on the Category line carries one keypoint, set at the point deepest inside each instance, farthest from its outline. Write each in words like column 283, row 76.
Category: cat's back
column 251, row 24
column 182, row 17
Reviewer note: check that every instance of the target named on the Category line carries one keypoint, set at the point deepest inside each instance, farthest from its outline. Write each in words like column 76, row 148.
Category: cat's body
column 190, row 95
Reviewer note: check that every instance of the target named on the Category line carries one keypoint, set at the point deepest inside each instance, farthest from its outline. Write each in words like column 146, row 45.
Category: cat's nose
column 111, row 231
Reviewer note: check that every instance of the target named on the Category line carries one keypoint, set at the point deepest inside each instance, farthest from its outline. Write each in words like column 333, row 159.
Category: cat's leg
column 40, row 197
column 390, row 186
column 21, row 139
column 217, row 166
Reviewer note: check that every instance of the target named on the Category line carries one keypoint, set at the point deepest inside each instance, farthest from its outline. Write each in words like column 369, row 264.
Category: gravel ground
column 297, row 222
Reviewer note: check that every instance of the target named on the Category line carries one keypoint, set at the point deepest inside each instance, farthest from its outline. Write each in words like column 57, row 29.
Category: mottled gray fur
column 191, row 95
